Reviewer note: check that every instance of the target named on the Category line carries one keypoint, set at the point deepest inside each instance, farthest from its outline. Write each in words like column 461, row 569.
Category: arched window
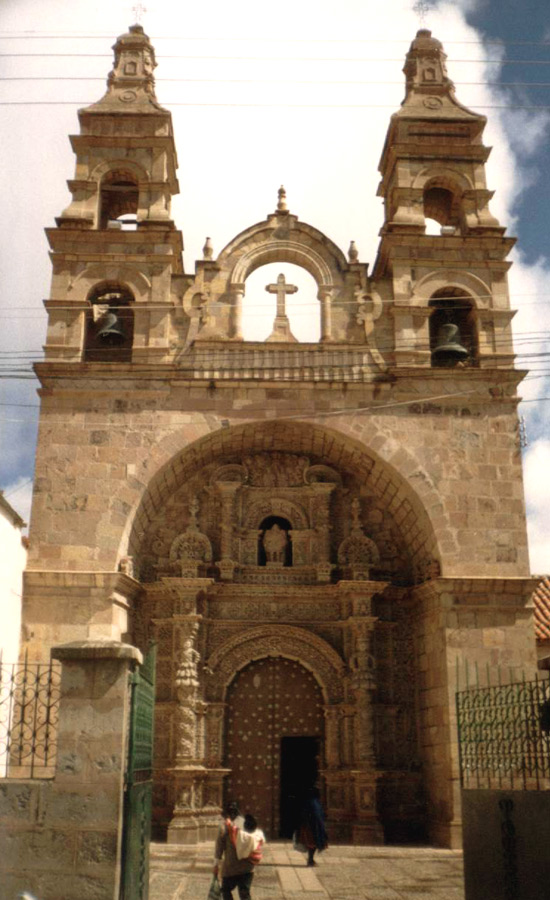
column 274, row 544
column 119, row 197
column 109, row 325
column 453, row 333
column 442, row 209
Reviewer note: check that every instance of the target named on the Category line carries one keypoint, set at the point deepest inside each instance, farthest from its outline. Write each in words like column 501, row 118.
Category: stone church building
column 317, row 536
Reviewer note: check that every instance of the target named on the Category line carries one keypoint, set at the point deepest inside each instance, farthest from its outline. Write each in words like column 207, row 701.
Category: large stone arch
column 311, row 651
column 289, row 241
column 358, row 443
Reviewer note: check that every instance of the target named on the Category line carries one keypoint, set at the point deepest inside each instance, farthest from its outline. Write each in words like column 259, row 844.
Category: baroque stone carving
column 276, row 469
column 273, row 640
column 322, row 474
column 357, row 550
column 230, row 472
column 192, row 547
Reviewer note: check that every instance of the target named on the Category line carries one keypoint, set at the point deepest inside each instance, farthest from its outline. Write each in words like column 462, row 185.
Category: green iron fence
column 504, row 736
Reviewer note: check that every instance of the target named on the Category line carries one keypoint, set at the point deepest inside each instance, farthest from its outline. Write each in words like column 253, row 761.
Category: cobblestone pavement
column 343, row 873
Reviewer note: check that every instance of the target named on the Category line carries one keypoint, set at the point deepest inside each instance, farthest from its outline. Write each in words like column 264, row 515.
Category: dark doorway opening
column 299, row 772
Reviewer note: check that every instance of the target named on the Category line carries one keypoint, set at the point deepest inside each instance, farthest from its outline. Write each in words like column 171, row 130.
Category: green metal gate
column 136, row 834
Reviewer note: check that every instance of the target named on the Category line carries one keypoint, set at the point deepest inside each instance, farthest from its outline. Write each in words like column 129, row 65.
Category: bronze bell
column 448, row 350
column 111, row 331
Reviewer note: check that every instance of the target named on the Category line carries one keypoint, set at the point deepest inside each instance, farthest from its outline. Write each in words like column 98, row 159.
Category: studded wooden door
column 268, row 701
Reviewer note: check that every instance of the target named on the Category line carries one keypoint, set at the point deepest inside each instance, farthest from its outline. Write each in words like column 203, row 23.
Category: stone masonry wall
column 60, row 839
column 114, row 452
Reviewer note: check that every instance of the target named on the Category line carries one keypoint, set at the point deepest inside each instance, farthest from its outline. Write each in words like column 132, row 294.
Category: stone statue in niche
column 187, row 676
column 275, row 541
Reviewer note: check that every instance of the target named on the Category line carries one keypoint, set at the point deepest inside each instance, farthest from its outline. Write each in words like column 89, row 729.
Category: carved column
column 332, row 736
column 321, row 492
column 227, row 490
column 366, row 828
column 188, row 773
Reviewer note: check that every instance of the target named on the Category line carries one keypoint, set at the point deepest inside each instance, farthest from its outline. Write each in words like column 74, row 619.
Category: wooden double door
column 274, row 734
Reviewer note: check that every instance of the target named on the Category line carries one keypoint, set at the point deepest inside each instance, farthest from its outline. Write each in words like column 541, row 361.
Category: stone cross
column 281, row 326
column 422, row 8
column 138, row 11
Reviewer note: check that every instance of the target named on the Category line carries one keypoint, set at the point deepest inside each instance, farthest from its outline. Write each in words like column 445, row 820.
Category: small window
column 109, row 326
column 453, row 336
column 118, row 201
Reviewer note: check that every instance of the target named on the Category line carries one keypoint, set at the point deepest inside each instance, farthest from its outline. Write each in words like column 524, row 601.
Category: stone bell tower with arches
column 316, row 535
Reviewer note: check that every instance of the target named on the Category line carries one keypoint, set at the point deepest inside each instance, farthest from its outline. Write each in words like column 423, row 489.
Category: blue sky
column 298, row 93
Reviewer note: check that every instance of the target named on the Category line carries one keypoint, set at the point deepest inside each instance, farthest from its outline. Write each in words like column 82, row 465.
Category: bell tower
column 450, row 294
column 116, row 253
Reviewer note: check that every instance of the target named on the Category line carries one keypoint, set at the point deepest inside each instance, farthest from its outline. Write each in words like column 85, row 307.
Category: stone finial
column 131, row 84
column 207, row 250
column 281, row 205
column 353, row 253
column 425, row 68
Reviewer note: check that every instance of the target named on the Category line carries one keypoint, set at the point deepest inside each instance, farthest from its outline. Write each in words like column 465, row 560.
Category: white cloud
column 536, row 467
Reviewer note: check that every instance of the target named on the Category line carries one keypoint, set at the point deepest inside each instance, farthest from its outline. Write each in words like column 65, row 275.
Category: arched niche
column 109, row 324
column 276, row 640
column 118, row 200
column 453, row 328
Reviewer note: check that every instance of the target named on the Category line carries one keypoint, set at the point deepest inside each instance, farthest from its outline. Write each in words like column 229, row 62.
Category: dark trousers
column 241, row 882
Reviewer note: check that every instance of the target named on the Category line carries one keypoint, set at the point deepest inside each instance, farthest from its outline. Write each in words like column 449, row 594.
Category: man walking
column 236, row 872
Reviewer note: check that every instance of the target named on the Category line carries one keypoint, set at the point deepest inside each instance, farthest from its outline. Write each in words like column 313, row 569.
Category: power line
column 267, row 59
column 36, row 35
column 276, row 81
column 342, row 106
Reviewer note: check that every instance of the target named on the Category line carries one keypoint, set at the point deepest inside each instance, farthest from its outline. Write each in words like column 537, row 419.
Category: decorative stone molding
column 277, row 640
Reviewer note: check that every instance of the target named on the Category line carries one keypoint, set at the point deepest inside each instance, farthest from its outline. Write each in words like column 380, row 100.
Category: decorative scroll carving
column 323, row 474
column 230, row 473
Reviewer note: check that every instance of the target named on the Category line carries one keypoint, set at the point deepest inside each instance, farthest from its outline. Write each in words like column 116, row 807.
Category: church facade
column 317, row 536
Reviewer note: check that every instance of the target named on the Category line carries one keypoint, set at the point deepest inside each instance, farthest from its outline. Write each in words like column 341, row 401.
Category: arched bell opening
column 118, row 204
column 453, row 330
column 109, row 328
column 274, row 542
column 280, row 303
column 442, row 209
